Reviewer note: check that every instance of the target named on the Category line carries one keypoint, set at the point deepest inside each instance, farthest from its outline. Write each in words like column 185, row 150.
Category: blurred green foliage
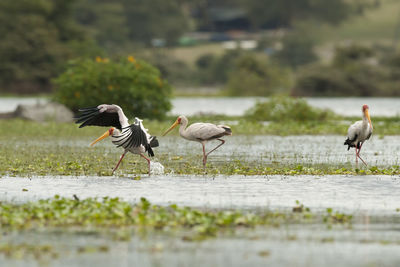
column 355, row 71
column 243, row 73
column 213, row 69
column 284, row 13
column 255, row 75
column 283, row 108
column 134, row 85
column 114, row 24
column 297, row 49
column 39, row 37
column 36, row 38
column 171, row 68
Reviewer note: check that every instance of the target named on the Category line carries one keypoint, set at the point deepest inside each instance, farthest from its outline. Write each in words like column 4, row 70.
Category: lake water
column 372, row 240
column 364, row 193
column 369, row 242
column 262, row 149
column 363, row 245
column 235, row 106
column 349, row 106
column 360, row 194
column 302, row 149
column 9, row 104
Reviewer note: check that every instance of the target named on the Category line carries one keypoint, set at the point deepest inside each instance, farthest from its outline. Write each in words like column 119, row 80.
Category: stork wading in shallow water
column 132, row 138
column 359, row 132
column 201, row 132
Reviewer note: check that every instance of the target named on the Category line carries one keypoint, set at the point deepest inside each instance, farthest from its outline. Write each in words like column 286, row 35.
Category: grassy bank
column 30, row 148
column 28, row 157
column 15, row 129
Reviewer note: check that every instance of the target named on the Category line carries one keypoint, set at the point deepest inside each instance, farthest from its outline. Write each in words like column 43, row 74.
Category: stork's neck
column 365, row 121
column 182, row 128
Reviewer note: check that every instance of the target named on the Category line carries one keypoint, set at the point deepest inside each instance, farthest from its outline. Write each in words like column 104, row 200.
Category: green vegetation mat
column 116, row 220
column 30, row 148
column 113, row 213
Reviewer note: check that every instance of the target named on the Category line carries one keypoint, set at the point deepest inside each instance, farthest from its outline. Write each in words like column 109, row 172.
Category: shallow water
column 366, row 244
column 9, row 104
column 236, row 106
column 291, row 245
column 305, row 149
column 156, row 168
column 265, row 149
column 360, row 194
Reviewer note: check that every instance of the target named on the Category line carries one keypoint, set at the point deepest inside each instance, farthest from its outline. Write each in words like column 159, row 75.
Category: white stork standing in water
column 133, row 138
column 201, row 132
column 359, row 132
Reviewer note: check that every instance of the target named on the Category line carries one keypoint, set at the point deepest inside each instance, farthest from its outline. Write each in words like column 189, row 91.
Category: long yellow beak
column 106, row 134
column 172, row 127
column 368, row 117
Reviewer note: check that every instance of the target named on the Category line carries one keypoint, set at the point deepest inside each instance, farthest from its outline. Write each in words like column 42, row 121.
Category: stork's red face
column 365, row 107
column 176, row 123
column 106, row 134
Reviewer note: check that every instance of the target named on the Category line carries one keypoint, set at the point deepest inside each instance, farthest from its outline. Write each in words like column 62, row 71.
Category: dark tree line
column 39, row 36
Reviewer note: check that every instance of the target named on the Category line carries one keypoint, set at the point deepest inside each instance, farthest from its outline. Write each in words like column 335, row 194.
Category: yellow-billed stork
column 359, row 132
column 132, row 138
column 201, row 132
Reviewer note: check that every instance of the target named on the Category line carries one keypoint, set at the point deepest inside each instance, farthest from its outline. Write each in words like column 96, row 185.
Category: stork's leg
column 204, row 155
column 148, row 160
column 356, row 158
column 222, row 142
column 358, row 154
column 120, row 159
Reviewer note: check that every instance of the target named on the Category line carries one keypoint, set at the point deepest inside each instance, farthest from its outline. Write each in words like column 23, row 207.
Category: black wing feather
column 125, row 139
column 350, row 142
column 154, row 141
column 132, row 136
column 138, row 135
column 93, row 116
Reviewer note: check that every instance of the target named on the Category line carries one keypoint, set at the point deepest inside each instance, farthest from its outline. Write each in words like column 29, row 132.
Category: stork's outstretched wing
column 102, row 115
column 134, row 136
column 131, row 136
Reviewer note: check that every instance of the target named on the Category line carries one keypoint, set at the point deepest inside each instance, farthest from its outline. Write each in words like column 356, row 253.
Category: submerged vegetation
column 117, row 221
column 30, row 148
column 75, row 158
column 113, row 213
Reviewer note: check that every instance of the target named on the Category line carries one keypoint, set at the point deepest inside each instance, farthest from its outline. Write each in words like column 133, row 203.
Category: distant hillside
column 377, row 24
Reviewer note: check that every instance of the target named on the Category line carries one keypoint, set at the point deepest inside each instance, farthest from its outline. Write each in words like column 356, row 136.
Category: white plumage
column 132, row 138
column 359, row 132
column 201, row 132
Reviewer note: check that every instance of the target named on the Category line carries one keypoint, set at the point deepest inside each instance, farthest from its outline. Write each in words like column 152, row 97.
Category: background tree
column 105, row 21
column 285, row 13
column 297, row 49
column 134, row 84
column 147, row 20
column 255, row 75
column 35, row 42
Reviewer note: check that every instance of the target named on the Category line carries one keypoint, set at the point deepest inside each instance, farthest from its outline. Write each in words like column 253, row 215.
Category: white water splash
column 156, row 168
